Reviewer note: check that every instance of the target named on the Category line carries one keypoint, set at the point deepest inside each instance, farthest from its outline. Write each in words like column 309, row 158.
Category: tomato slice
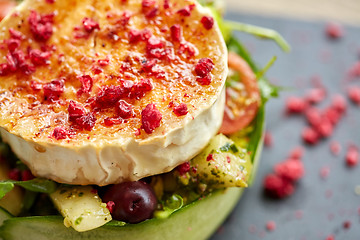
column 242, row 96
column 5, row 7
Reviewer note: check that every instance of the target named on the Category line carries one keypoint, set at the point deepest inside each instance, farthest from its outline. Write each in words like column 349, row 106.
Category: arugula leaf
column 34, row 185
column 5, row 187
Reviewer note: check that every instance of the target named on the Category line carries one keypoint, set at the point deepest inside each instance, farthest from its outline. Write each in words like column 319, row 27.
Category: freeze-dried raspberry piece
column 54, row 89
column 124, row 109
column 39, row 57
column 108, row 96
column 354, row 94
column 207, row 22
column 180, row 110
column 315, row 95
column 75, row 110
column 86, row 84
column 41, row 26
column 176, row 32
column 339, row 103
column 310, row 136
column 140, row 89
column 150, row 118
column 334, row 30
column 277, row 186
column 87, row 121
column 268, row 139
column 204, row 67
column 90, row 25
column 291, row 169
column 295, row 105
column 60, row 133
column 352, row 156
column 184, row 168
column 297, row 153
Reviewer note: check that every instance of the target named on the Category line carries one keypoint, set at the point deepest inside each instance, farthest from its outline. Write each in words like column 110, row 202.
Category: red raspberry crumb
column 176, row 32
column 86, row 121
column 347, row 224
column 140, row 89
column 277, row 186
column 209, row 157
column 90, row 25
column 290, row 169
column 325, row 128
column 330, row 237
column 204, row 80
column 324, row 172
column 166, row 4
column 75, row 110
column 112, row 121
column 313, row 116
column 60, row 133
column 355, row 70
column 315, row 95
column 13, row 44
column 204, row 67
column 35, row 86
column 14, row 174
column 310, row 136
column 54, row 89
column 339, row 103
column 335, row 147
column 134, row 36
column 147, row 65
column 150, row 118
column 38, row 57
column 108, row 96
column 207, row 22
column 352, row 157
column 41, row 26
column 185, row 12
column 268, row 139
column 26, row 175
column 103, row 62
column 148, row 3
column 86, row 84
column 180, row 110
column 16, row 34
column 354, row 94
column 110, row 205
column 270, row 226
column 296, row 153
column 124, row 109
column 334, row 30
column 184, row 168
column 152, row 12
column 332, row 115
column 295, row 105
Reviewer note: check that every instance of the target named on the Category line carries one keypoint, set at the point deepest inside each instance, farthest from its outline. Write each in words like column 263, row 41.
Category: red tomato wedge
column 5, row 7
column 242, row 98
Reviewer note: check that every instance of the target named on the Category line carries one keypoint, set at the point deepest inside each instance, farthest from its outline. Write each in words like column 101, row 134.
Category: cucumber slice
column 194, row 221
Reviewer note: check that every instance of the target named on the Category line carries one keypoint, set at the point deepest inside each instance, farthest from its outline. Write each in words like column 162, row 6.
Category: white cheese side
column 123, row 160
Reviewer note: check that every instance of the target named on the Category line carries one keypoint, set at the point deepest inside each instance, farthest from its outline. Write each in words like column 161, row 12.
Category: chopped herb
column 228, row 146
column 80, row 194
column 78, row 220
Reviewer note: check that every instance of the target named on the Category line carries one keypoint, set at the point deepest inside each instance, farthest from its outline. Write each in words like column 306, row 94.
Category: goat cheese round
column 101, row 92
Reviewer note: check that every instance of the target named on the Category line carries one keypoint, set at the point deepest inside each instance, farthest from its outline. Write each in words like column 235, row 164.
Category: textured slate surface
column 320, row 206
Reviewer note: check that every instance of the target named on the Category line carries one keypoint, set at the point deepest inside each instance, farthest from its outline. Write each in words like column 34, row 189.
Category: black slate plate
column 319, row 207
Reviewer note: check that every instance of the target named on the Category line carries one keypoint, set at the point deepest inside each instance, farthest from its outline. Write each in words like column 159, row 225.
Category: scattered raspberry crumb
column 268, row 139
column 330, row 237
column 339, row 103
column 355, row 70
column 90, row 25
column 347, row 224
column 209, row 157
column 110, row 205
column 299, row 214
column 352, row 156
column 270, row 226
column 180, row 110
column 297, row 153
column 334, row 30
column 324, row 172
column 207, row 22
column 60, row 133
column 278, row 187
column 290, row 169
column 315, row 95
column 335, row 147
column 354, row 94
column 184, row 168
column 295, row 105
column 310, row 136
column 150, row 118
